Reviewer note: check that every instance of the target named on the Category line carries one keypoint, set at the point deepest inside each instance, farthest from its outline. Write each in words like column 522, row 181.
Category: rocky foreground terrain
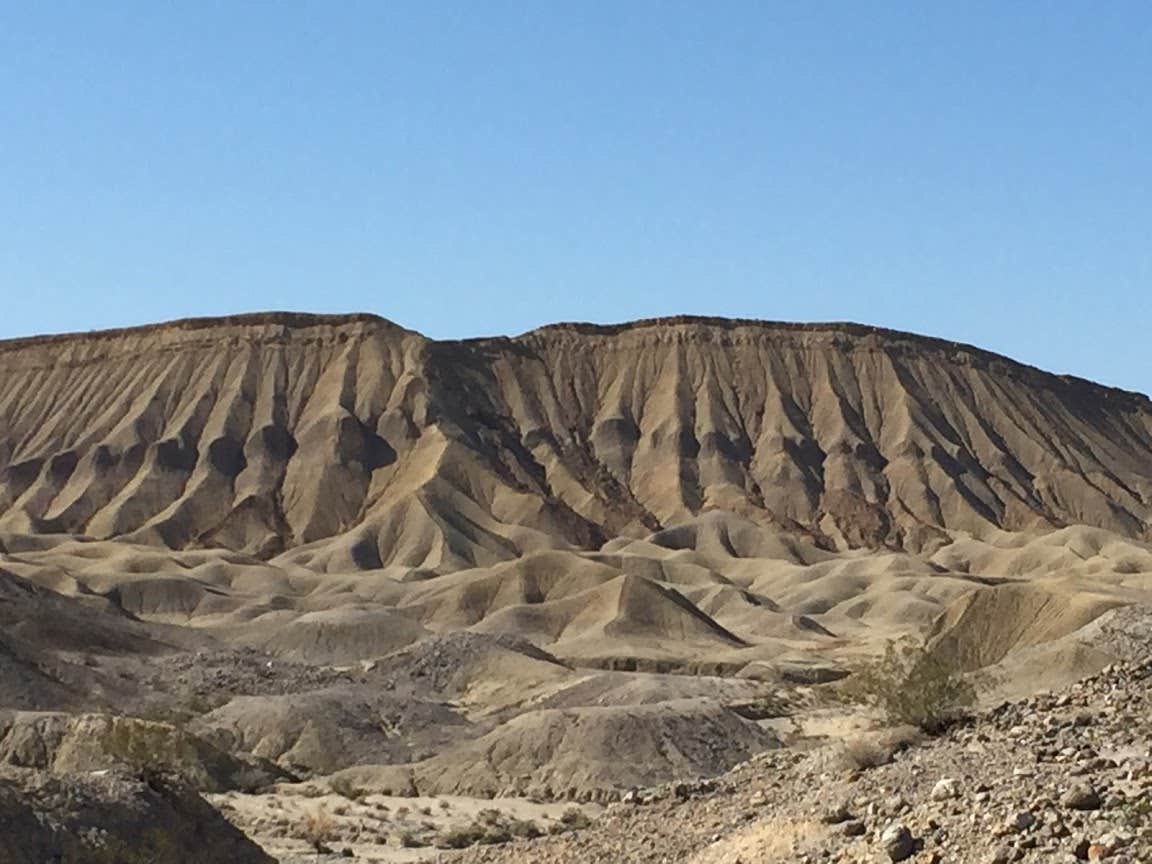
column 113, row 818
column 1064, row 776
column 1061, row 777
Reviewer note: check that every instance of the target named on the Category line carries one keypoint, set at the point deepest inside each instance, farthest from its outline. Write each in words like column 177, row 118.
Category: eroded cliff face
column 352, row 442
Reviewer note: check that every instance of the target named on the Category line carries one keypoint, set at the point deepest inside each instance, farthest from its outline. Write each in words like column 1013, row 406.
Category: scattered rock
column 945, row 789
column 1081, row 797
column 897, row 842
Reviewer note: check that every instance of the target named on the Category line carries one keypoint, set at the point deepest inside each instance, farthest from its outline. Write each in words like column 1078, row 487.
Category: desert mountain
column 325, row 546
column 347, row 442
column 695, row 494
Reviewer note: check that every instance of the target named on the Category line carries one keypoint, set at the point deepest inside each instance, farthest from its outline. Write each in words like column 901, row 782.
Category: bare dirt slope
column 372, row 446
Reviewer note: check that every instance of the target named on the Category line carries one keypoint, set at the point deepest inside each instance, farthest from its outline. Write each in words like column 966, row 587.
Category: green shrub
column 911, row 685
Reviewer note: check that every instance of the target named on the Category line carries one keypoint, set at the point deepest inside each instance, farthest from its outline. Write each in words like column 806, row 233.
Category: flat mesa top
column 845, row 333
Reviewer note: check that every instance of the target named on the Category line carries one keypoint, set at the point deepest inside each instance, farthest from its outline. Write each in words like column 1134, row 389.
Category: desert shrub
column 524, row 828
column 460, row 837
column 902, row 737
column 495, row 834
column 860, row 754
column 574, row 819
column 490, row 827
column 410, row 841
column 317, row 828
column 911, row 685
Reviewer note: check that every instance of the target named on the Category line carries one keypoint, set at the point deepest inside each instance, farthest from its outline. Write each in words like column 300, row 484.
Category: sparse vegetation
column 575, row 819
column 524, row 829
column 488, row 816
column 409, row 840
column 460, row 837
column 495, row 834
column 912, row 686
column 317, row 829
column 860, row 754
column 490, row 827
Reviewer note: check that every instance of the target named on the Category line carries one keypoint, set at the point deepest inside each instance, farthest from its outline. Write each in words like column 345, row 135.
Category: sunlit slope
column 348, row 443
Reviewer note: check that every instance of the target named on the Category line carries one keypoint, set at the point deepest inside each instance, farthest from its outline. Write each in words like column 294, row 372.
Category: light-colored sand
column 373, row 826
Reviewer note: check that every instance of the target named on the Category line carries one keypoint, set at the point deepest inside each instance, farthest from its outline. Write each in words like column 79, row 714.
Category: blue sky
column 977, row 171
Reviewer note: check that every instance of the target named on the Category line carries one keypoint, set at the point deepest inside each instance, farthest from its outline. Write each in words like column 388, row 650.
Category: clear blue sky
column 973, row 170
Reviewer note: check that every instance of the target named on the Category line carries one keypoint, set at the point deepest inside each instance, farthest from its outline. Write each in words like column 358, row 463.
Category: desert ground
column 289, row 587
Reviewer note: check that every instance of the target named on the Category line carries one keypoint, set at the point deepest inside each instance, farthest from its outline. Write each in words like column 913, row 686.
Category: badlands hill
column 314, row 547
column 698, row 492
column 357, row 444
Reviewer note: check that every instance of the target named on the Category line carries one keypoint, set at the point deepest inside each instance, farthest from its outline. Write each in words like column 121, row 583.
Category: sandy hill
column 347, row 442
column 684, row 494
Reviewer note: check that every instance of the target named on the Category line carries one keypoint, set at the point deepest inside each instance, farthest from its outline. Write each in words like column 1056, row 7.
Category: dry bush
column 408, row 840
column 490, row 827
column 460, row 837
column 489, row 816
column 860, row 754
column 317, row 829
column 524, row 828
column 572, row 819
column 912, row 686
column 495, row 834
column 902, row 737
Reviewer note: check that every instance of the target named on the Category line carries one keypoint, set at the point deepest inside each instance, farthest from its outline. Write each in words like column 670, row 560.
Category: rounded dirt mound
column 585, row 753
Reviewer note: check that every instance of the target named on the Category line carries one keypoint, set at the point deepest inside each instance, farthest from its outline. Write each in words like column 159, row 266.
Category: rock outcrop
column 112, row 818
